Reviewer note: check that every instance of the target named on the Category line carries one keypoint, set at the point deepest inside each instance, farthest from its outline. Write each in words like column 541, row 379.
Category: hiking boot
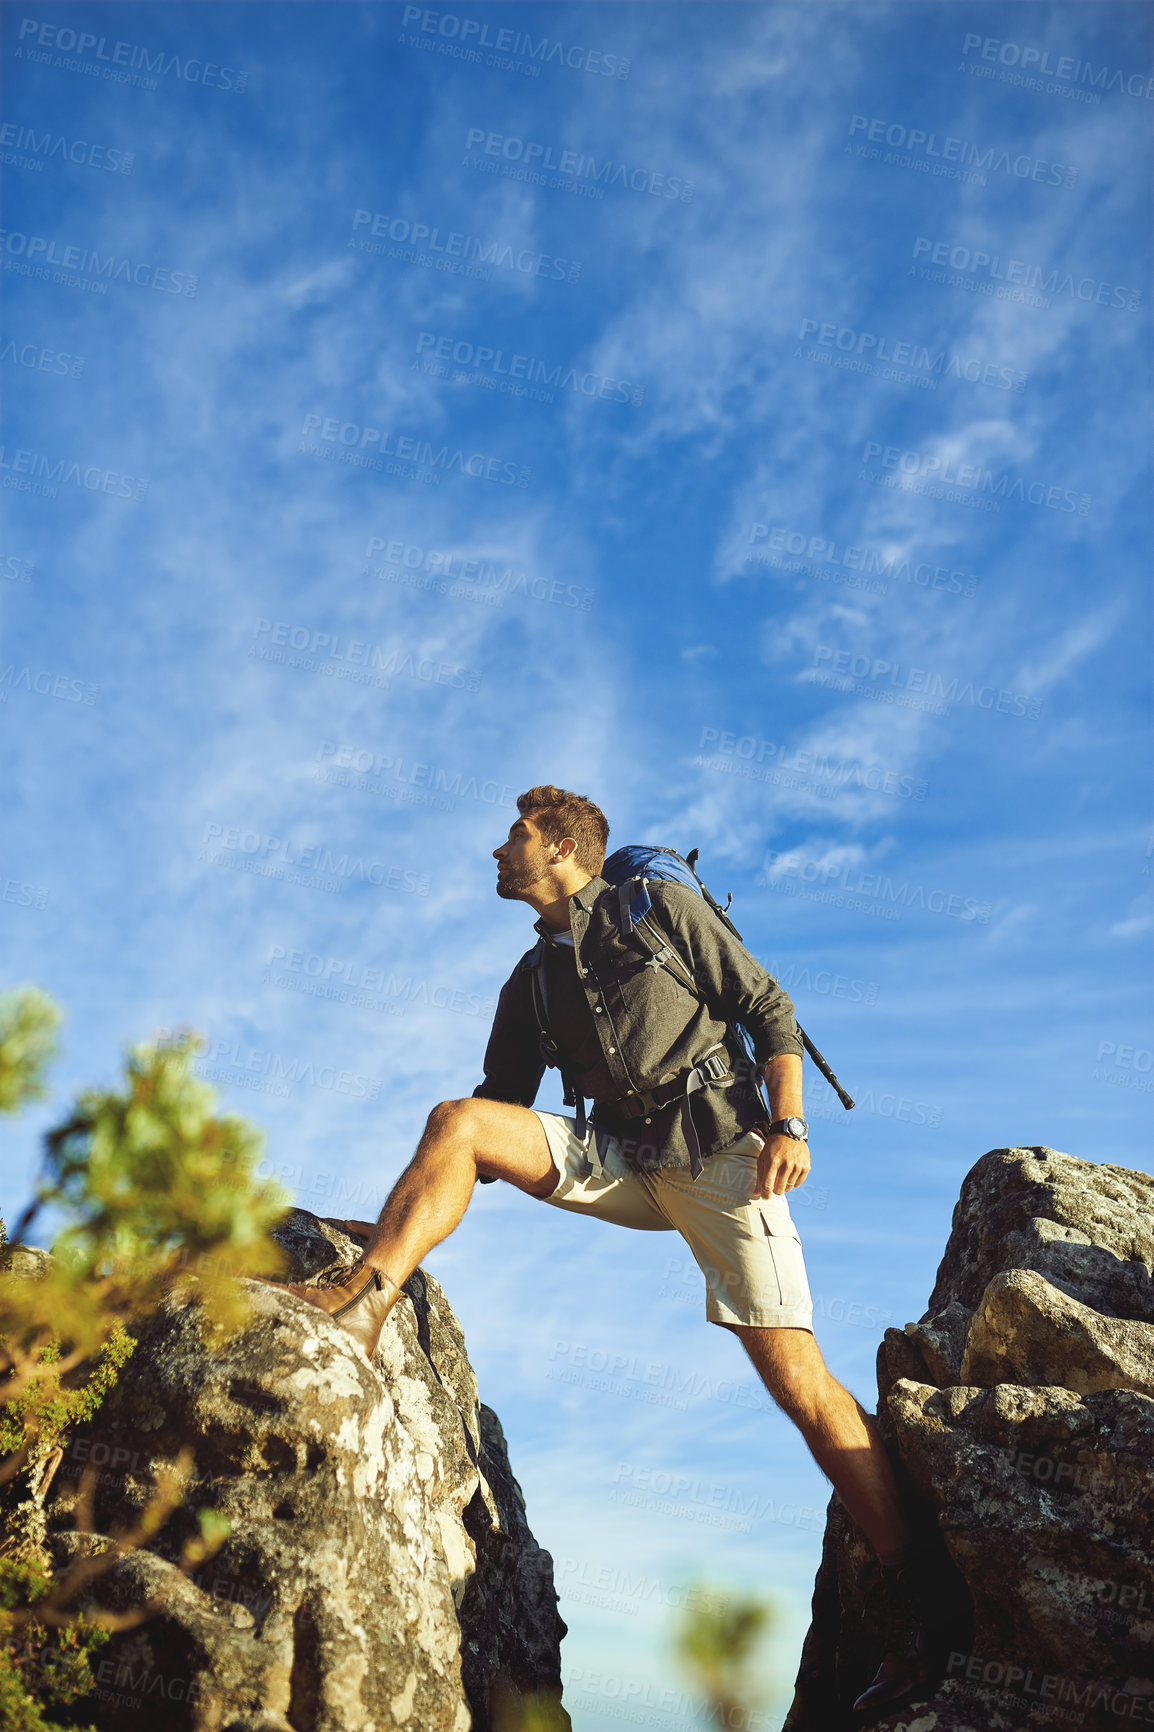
column 909, row 1672
column 359, row 1298
column 914, row 1663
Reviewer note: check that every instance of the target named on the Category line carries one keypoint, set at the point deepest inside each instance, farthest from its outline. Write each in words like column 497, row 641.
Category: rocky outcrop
column 379, row 1571
column 1020, row 1410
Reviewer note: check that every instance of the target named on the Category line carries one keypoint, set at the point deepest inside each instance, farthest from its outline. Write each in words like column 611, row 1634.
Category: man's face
column 522, row 860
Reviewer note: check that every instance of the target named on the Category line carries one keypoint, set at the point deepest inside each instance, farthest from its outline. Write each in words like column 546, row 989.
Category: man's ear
column 565, row 849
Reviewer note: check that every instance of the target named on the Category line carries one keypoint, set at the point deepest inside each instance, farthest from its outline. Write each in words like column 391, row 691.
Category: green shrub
column 156, row 1191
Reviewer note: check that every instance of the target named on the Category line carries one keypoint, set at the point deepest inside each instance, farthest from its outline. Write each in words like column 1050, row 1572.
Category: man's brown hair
column 558, row 814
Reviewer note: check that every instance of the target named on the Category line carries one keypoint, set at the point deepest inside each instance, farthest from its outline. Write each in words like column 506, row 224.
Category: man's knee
column 456, row 1121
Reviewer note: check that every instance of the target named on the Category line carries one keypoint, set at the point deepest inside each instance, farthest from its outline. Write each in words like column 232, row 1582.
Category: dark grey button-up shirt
column 623, row 1024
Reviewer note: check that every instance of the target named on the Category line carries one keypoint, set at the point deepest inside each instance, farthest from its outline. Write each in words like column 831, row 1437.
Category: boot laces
column 339, row 1274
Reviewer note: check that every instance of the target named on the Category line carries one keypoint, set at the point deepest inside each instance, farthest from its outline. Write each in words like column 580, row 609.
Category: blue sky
column 739, row 413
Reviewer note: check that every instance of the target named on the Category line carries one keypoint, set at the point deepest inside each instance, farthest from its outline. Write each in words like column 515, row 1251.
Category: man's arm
column 784, row 1162
column 732, row 980
column 746, row 993
column 513, row 1063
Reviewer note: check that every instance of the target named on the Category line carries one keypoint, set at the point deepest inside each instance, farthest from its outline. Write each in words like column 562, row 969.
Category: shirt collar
column 584, row 898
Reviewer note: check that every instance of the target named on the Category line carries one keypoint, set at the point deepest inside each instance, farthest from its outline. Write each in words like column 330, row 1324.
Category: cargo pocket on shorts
column 783, row 1241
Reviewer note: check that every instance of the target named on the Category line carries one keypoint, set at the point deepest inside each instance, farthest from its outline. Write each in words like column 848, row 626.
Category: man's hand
column 782, row 1165
column 783, row 1162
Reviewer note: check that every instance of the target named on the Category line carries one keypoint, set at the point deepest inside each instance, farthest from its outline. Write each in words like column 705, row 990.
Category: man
column 642, row 1022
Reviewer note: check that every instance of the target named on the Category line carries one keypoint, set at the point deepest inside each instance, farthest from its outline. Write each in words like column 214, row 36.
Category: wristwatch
column 796, row 1128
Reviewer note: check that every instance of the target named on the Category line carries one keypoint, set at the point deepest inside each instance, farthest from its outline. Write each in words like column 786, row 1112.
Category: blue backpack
column 637, row 862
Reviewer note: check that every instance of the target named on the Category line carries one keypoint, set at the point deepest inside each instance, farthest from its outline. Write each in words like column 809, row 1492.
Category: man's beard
column 513, row 881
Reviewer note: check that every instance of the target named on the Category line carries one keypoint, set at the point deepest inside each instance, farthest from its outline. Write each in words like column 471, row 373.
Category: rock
column 1020, row 1413
column 1028, row 1331
column 379, row 1572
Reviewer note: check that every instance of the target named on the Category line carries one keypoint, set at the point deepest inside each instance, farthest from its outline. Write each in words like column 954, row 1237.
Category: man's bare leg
column 461, row 1140
column 842, row 1437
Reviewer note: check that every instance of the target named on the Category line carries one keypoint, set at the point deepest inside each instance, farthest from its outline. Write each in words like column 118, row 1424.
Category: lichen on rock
column 1020, row 1412
column 379, row 1572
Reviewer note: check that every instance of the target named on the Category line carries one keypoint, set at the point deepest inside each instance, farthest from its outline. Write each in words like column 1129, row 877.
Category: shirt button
column 597, row 1009
column 612, row 1050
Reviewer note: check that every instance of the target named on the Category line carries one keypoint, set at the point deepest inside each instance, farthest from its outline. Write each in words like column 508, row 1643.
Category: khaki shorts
column 747, row 1248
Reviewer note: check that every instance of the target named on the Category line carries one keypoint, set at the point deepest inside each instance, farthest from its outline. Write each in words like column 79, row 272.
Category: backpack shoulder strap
column 633, row 904
column 665, row 956
column 550, row 1051
column 662, row 953
column 539, row 992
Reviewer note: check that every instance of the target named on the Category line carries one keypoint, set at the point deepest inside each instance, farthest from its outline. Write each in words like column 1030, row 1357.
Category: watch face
column 795, row 1128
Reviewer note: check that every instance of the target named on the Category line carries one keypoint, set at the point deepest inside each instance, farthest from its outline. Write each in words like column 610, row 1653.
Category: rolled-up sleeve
column 513, row 1063
column 730, row 977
